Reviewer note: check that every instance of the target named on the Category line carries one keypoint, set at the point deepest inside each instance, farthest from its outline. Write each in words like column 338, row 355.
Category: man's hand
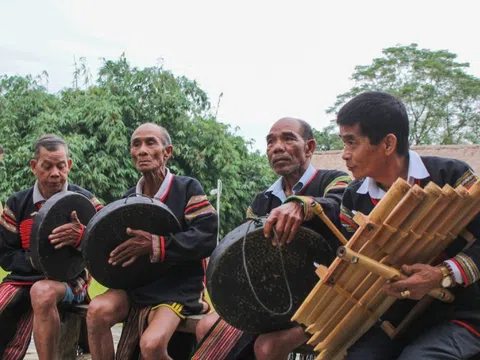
column 422, row 278
column 286, row 219
column 67, row 234
column 127, row 252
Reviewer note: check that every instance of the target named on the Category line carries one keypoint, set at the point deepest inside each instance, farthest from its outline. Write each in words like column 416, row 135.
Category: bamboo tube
column 397, row 241
column 318, row 210
column 308, row 305
column 396, row 192
column 387, row 272
column 399, row 214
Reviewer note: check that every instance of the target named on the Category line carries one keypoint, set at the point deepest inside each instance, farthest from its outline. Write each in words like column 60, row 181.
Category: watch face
column 447, row 281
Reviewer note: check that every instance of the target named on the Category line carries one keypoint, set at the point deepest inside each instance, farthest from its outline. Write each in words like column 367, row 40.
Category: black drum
column 65, row 263
column 107, row 230
column 255, row 286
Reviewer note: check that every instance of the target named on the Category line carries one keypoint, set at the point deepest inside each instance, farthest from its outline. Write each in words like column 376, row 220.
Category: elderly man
column 179, row 292
column 374, row 127
column 25, row 288
column 290, row 146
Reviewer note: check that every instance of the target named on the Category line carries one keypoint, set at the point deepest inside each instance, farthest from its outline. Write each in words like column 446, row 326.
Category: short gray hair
column 51, row 142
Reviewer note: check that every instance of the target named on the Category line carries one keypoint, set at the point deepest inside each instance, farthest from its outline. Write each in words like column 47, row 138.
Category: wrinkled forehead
column 146, row 133
column 53, row 156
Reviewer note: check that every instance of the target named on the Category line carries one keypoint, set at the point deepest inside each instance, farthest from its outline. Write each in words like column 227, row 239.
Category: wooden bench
column 72, row 333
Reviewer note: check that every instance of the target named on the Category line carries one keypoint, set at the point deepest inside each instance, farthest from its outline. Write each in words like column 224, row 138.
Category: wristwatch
column 447, row 280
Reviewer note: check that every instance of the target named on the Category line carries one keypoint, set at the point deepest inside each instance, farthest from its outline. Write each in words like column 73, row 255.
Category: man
column 374, row 127
column 25, row 289
column 290, row 146
column 179, row 292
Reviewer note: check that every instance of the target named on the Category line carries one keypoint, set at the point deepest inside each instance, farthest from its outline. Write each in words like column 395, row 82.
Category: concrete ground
column 32, row 353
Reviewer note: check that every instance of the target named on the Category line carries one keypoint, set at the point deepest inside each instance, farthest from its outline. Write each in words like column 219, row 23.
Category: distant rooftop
column 468, row 153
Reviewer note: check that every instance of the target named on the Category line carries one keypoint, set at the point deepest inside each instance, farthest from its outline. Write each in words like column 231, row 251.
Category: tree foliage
column 442, row 99
column 98, row 120
column 327, row 138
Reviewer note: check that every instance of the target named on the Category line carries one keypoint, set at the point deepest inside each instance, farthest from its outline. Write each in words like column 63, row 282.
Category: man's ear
column 33, row 164
column 168, row 152
column 310, row 147
column 390, row 142
column 69, row 163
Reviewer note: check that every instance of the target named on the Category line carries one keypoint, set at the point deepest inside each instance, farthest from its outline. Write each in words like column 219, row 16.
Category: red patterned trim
column 302, row 190
column 162, row 199
column 10, row 220
column 79, row 240
column 467, row 326
column 162, row 248
column 196, row 206
column 465, row 279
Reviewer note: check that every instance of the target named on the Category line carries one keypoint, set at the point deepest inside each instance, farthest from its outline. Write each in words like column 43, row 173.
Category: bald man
column 290, row 146
column 163, row 304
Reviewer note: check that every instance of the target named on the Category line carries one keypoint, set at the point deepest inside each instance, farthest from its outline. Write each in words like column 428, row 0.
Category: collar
column 164, row 188
column 277, row 187
column 37, row 195
column 416, row 171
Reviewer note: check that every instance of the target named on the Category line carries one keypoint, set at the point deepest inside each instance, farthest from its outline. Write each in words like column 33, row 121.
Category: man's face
column 287, row 150
column 361, row 157
column 1, row 157
column 147, row 149
column 51, row 169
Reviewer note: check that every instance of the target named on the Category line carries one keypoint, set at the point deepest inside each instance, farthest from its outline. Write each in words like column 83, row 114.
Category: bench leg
column 69, row 334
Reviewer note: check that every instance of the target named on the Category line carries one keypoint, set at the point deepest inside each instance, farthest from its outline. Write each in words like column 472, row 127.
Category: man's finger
column 61, row 228
column 279, row 230
column 268, row 225
column 120, row 248
column 75, row 216
column 293, row 230
column 117, row 259
column 129, row 262
column 290, row 221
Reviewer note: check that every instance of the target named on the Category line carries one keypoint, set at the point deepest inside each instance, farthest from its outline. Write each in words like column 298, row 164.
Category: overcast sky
column 269, row 58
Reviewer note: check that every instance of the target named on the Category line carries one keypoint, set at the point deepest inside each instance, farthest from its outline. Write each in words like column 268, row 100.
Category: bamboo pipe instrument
column 387, row 272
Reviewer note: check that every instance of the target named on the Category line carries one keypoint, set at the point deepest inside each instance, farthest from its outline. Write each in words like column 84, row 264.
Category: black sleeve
column 200, row 236
column 336, row 183
column 13, row 257
column 346, row 213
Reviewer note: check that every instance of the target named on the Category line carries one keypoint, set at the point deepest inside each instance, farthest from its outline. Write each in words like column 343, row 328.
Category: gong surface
column 231, row 291
column 65, row 263
column 107, row 230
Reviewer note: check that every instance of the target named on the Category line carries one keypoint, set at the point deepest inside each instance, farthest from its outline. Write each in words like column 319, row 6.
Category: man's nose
column 278, row 147
column 347, row 155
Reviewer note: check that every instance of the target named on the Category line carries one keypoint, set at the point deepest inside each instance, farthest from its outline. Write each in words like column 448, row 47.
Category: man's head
column 374, row 128
column 51, row 164
column 150, row 147
column 290, row 146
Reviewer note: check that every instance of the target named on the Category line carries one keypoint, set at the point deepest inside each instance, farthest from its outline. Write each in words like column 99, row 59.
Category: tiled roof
column 468, row 153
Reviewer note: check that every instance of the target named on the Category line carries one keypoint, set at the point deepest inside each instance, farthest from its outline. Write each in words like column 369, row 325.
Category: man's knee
column 264, row 348
column 153, row 346
column 204, row 325
column 102, row 312
column 44, row 295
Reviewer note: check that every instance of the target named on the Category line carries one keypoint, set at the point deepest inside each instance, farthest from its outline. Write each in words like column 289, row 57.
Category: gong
column 107, row 230
column 255, row 286
column 67, row 262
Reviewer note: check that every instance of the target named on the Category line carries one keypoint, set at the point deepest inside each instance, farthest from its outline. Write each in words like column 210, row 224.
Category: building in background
column 468, row 153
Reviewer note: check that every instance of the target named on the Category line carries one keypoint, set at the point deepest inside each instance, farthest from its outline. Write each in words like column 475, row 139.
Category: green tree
column 327, row 138
column 442, row 99
column 98, row 119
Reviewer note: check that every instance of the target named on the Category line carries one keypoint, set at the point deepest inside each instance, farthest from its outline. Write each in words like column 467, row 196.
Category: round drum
column 65, row 263
column 107, row 230
column 255, row 286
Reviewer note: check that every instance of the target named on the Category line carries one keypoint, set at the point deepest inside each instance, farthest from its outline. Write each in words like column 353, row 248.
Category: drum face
column 229, row 287
column 65, row 263
column 107, row 230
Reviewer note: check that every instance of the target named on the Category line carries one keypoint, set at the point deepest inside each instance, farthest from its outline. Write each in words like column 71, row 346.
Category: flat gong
column 107, row 230
column 257, row 287
column 65, row 263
